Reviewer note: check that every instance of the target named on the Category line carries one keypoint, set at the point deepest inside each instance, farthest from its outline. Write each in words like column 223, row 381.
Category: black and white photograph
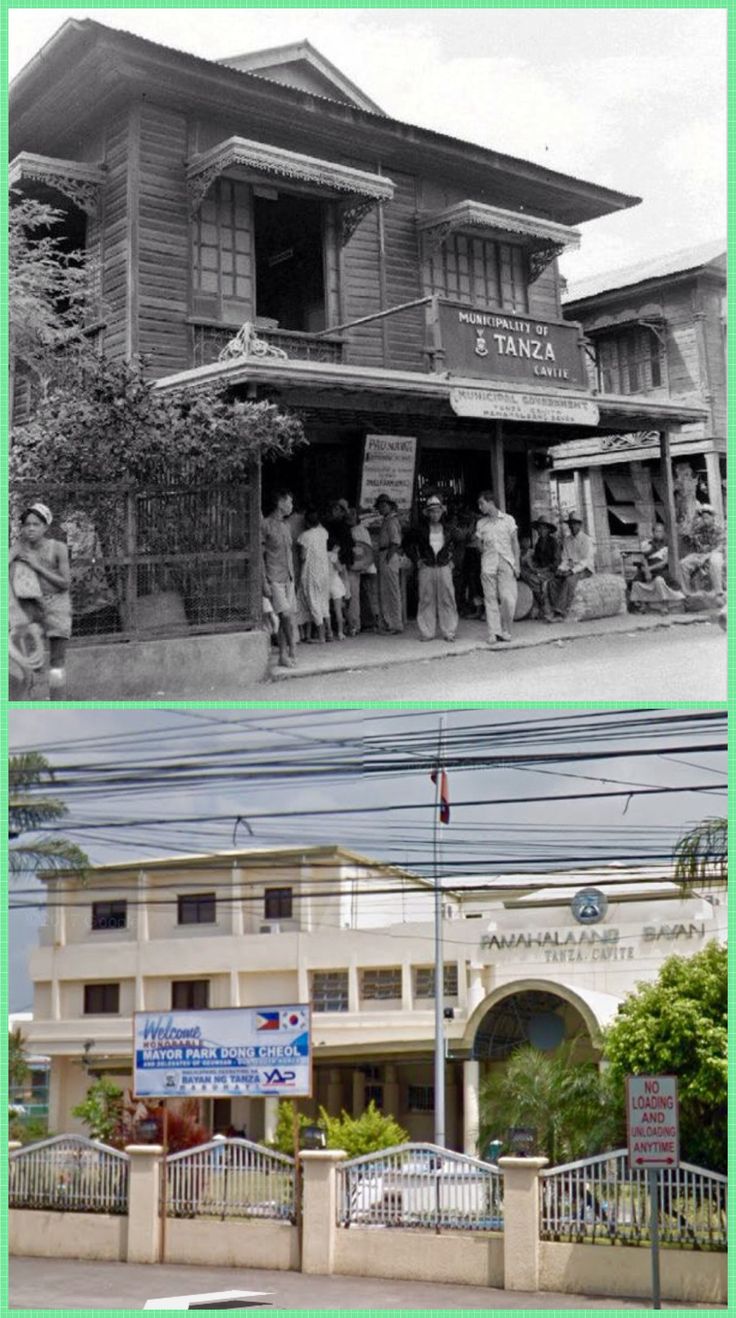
column 367, row 354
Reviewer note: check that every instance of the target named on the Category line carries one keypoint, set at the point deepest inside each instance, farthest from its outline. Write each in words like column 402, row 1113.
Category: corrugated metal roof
column 688, row 258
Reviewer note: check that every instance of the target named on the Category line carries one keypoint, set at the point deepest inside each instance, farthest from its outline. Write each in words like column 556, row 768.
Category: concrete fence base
column 515, row 1259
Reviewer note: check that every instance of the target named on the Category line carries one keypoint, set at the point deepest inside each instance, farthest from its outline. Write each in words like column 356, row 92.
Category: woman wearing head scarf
column 40, row 579
column 431, row 549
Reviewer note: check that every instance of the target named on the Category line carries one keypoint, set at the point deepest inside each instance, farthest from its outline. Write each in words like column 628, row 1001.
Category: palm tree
column 29, row 809
column 566, row 1103
column 701, row 856
column 17, row 1065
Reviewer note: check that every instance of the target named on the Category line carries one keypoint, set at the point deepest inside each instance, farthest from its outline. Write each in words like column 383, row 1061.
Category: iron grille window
column 420, row 1098
column 424, row 981
column 630, row 362
column 278, row 903
column 109, row 915
column 190, row 994
column 196, row 908
column 330, row 990
column 101, row 999
column 381, row 985
column 479, row 271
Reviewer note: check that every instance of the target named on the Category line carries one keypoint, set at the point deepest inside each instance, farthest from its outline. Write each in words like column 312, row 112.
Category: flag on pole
column 444, row 794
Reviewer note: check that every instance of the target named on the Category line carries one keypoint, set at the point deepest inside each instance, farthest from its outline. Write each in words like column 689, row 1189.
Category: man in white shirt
column 500, row 564
column 578, row 560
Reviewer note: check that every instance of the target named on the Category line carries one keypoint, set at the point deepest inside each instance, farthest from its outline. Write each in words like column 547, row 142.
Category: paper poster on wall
column 388, row 468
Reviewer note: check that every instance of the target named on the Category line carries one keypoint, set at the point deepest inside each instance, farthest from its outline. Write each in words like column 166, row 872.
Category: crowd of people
column 328, row 579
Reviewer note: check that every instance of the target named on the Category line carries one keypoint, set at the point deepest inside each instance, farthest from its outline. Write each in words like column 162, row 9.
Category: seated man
column 652, row 586
column 539, row 566
column 577, row 560
column 705, row 559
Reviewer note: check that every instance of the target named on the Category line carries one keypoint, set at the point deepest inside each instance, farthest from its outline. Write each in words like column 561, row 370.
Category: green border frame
column 8, row 5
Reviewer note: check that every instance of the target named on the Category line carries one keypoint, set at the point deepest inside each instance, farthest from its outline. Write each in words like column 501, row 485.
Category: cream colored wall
column 36, row 1234
column 685, row 1275
column 264, row 988
column 41, row 1001
column 71, row 994
column 232, row 1244
column 470, row 1259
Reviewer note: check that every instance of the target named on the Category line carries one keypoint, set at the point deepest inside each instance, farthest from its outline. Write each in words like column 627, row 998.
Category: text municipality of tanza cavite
column 243, row 1051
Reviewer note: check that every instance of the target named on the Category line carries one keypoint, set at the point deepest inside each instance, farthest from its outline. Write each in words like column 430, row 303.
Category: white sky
column 634, row 99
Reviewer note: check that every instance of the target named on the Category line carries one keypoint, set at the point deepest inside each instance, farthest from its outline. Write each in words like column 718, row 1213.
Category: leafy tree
column 29, row 809
column 49, row 289
column 701, row 856
column 283, row 1136
column 104, row 423
column 371, row 1131
column 676, row 1025
column 101, row 1109
column 18, row 1069
column 565, row 1102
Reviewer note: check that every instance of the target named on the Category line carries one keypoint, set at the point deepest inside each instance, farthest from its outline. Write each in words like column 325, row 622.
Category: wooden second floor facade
column 212, row 196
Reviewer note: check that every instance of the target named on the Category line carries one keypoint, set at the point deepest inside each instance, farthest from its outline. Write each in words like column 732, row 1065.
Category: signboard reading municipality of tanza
column 227, row 1052
column 652, row 1118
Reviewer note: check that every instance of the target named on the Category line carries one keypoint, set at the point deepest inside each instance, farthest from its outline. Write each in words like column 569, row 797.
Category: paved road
column 687, row 663
column 69, row 1284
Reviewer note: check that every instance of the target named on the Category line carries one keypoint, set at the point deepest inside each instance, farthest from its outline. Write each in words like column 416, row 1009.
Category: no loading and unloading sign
column 652, row 1118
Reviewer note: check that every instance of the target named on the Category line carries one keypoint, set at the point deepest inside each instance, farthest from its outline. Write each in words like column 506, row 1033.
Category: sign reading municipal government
column 227, row 1052
column 388, row 468
column 506, row 346
column 652, row 1119
column 505, row 405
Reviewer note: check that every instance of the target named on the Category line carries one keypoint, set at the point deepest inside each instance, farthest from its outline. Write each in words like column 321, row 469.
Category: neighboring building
column 31, row 1097
column 268, row 189
column 356, row 939
column 656, row 330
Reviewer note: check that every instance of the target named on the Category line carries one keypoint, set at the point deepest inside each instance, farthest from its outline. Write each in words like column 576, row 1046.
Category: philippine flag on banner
column 268, row 1020
column 444, row 794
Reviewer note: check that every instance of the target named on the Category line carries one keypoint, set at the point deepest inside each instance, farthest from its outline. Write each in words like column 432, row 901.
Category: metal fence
column 161, row 560
column 70, row 1174
column 603, row 1198
column 420, row 1185
column 231, row 1178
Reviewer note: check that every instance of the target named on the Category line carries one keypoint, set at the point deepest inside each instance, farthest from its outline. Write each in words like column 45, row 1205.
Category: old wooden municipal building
column 396, row 282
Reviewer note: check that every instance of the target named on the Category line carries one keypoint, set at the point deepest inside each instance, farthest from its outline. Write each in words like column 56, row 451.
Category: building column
column 358, row 1092
column 270, row 1117
column 334, row 1091
column 56, row 1094
column 60, row 916
column 476, row 987
column 236, row 909
column 234, row 987
column 668, row 500
column 406, row 994
column 143, row 925
column 498, row 467
column 353, row 988
column 471, row 1109
column 715, row 491
column 391, row 1093
column 143, row 1203
column 521, row 1222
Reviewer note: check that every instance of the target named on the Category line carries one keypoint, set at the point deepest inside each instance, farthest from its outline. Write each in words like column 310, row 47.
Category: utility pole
column 439, row 970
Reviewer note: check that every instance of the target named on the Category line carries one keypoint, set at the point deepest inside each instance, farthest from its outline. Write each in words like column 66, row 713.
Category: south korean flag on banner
column 296, row 1018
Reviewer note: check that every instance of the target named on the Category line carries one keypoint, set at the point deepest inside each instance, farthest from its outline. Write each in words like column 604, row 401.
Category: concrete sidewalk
column 372, row 650
column 37, row 1283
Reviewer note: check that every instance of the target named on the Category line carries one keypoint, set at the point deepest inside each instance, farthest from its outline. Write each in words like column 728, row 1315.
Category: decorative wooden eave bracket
column 356, row 191
column 544, row 239
column 76, row 179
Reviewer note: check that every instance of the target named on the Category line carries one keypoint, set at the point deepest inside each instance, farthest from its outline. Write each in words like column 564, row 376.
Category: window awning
column 77, row 179
column 607, row 325
column 544, row 239
column 357, row 190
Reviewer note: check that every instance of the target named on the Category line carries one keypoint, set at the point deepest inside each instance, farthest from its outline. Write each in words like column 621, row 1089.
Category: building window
column 373, row 1094
column 420, row 1098
column 197, row 908
column 424, row 981
column 260, row 253
column 330, row 990
column 631, row 362
column 109, row 915
column 190, row 994
column 278, row 903
column 381, row 985
column 101, row 999
column 478, row 271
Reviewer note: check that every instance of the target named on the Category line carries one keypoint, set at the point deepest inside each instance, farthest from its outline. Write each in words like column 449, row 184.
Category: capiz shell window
column 479, row 271
column 330, row 990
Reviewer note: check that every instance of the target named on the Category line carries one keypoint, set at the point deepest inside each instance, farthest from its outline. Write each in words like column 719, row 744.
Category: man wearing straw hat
column 578, row 560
